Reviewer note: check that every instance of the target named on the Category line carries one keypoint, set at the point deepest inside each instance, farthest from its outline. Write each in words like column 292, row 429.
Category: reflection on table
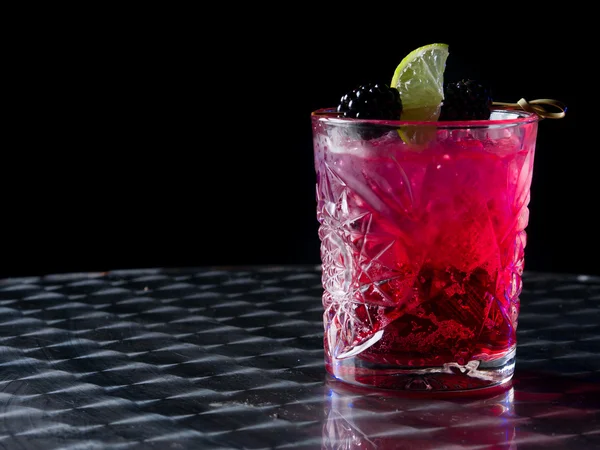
column 532, row 410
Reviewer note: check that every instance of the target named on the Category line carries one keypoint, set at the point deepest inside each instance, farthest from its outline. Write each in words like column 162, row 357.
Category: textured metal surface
column 233, row 358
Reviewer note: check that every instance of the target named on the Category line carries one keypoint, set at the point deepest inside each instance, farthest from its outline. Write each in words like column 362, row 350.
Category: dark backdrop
column 157, row 140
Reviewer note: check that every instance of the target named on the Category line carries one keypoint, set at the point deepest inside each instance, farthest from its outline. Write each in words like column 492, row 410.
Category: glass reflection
column 355, row 419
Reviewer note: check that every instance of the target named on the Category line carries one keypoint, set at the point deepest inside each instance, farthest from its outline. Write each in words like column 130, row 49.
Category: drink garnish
column 371, row 101
column 466, row 100
column 420, row 80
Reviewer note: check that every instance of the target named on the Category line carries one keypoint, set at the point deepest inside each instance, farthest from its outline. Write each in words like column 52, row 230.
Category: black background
column 181, row 138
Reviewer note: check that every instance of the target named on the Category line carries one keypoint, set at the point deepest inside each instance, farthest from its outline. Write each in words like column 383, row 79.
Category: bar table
column 232, row 357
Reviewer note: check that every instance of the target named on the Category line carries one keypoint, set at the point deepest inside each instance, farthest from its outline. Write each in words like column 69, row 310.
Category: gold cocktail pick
column 539, row 107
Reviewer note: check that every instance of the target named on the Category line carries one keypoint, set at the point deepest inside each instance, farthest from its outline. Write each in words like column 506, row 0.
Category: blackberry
column 466, row 100
column 371, row 101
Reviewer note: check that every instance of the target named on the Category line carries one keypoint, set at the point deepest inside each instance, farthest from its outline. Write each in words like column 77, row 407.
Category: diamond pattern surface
column 233, row 358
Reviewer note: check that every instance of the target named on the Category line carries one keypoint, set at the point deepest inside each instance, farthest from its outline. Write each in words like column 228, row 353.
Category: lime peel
column 420, row 80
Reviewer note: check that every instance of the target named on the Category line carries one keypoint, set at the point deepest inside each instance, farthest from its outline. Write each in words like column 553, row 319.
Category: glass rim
column 520, row 118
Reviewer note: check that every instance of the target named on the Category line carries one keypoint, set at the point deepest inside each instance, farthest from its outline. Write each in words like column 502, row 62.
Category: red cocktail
column 422, row 229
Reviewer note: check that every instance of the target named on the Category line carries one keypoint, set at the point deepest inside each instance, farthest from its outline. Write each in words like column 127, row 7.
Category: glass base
column 450, row 377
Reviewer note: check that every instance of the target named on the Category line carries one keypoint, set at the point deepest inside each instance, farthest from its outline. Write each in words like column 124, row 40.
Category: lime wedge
column 420, row 80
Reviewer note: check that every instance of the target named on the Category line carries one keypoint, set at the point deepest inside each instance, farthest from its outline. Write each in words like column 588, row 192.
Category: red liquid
column 423, row 250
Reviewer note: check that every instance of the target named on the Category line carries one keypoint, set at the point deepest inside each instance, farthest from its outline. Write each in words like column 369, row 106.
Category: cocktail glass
column 422, row 232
